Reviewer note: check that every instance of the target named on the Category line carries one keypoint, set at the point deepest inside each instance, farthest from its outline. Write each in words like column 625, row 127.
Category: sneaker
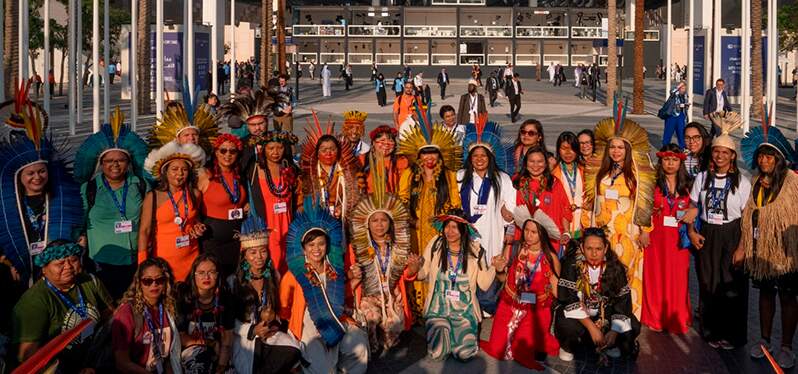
column 785, row 358
column 614, row 352
column 756, row 349
column 566, row 356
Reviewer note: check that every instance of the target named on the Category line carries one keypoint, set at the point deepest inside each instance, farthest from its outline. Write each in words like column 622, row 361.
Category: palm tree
column 756, row 58
column 612, row 58
column 266, row 41
column 143, row 58
column 10, row 46
column 638, row 105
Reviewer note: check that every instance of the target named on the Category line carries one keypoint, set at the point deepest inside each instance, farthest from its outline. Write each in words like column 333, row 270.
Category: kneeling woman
column 314, row 289
column 258, row 345
column 454, row 265
column 597, row 302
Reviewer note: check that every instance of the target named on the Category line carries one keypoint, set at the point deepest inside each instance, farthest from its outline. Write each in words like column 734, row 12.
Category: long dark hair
column 626, row 168
column 545, row 243
column 683, row 181
column 733, row 174
column 190, row 183
column 328, row 138
column 571, row 139
column 441, row 244
column 614, row 276
column 538, row 127
column 705, row 154
column 188, row 290
column 524, row 173
column 441, row 183
column 134, row 295
column 247, row 296
column 779, row 171
column 492, row 172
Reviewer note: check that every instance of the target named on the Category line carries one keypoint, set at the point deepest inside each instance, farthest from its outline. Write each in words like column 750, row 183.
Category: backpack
column 664, row 111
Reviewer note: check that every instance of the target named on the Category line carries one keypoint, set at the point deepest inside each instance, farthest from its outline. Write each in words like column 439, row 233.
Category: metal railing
column 486, row 31
column 527, row 59
column 448, row 59
column 374, row 30
column 331, row 58
column 499, row 58
column 458, row 2
column 554, row 32
column 416, row 58
column 472, row 58
column 360, row 58
column 388, row 58
column 561, row 59
column 577, row 59
column 319, row 30
column 586, row 32
column 307, row 57
column 428, row 31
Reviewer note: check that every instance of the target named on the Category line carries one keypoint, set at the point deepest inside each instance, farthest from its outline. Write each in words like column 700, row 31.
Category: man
column 275, row 80
column 312, row 70
column 443, row 81
column 558, row 75
column 472, row 104
column 514, row 93
column 285, row 123
column 508, row 73
column 111, row 73
column 51, row 79
column 374, row 71
column 492, row 85
column 398, row 84
column 325, row 80
column 716, row 100
column 550, row 70
column 348, row 76
column 404, row 108
column 418, row 82
column 449, row 118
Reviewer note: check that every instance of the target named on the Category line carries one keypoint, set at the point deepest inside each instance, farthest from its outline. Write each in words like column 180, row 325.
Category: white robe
column 550, row 70
column 325, row 81
column 491, row 225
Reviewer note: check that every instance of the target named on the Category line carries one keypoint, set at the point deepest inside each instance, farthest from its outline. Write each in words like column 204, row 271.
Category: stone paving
column 559, row 109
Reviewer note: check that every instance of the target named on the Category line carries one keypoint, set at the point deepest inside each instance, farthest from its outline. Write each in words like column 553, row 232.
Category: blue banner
column 202, row 60
column 731, row 63
column 699, row 52
column 173, row 60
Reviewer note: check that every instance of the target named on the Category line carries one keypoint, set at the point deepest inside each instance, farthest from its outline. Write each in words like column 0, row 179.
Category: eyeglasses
column 224, row 151
column 149, row 281
column 691, row 139
column 528, row 133
column 204, row 274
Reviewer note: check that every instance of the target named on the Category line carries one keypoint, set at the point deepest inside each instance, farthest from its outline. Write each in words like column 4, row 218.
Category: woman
column 570, row 173
column 223, row 200
column 522, row 321
column 698, row 151
column 143, row 333
column 352, row 131
column 587, row 145
column 666, row 264
column 539, row 189
column 383, row 146
column 381, row 263
column 206, row 319
column 170, row 224
column 112, row 200
column 379, row 87
column 529, row 135
column 596, row 303
column 313, row 292
column 674, row 112
column 454, row 266
column 619, row 186
column 767, row 253
column 258, row 345
column 274, row 191
column 59, row 301
column 722, row 193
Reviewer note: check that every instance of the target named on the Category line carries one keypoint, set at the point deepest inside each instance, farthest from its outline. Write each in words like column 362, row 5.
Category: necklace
column 281, row 190
column 234, row 195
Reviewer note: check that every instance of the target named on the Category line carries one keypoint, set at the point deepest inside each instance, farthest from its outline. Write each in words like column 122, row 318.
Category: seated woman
column 597, row 303
column 313, row 292
column 454, row 266
column 143, row 332
column 206, row 319
column 258, row 345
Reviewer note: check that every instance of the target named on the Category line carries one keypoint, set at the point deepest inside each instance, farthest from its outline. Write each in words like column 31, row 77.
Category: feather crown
column 113, row 136
column 160, row 157
column 315, row 131
column 354, row 117
column 177, row 117
column 488, row 135
column 765, row 136
column 253, row 233
column 430, row 135
column 260, row 103
column 728, row 122
column 19, row 110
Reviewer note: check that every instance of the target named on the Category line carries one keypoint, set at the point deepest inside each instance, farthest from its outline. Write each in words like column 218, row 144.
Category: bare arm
column 145, row 224
column 27, row 349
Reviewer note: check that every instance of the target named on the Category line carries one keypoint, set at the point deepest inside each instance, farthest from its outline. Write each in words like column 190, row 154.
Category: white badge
column 235, row 214
column 480, row 209
column 37, row 248
column 453, row 295
column 178, row 220
column 528, row 298
column 182, row 241
column 281, row 207
column 123, row 227
column 332, row 210
column 670, row 221
column 611, row 194
column 756, row 233
column 715, row 218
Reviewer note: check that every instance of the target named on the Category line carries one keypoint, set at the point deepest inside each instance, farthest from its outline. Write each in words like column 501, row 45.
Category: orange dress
column 279, row 213
column 167, row 233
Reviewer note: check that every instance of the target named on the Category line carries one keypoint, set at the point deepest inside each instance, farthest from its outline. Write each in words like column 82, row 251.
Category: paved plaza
column 559, row 109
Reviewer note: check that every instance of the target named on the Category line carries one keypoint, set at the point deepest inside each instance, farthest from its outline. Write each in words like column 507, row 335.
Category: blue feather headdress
column 325, row 308
column 488, row 135
column 254, row 232
column 64, row 208
column 114, row 136
column 765, row 136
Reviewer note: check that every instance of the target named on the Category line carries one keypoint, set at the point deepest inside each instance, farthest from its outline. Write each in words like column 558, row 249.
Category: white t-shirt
column 719, row 100
column 723, row 210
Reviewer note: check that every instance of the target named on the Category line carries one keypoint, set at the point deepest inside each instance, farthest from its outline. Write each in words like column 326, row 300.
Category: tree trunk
column 756, row 59
column 266, row 41
column 61, row 74
column 612, row 57
column 32, row 57
column 10, row 47
column 281, row 37
column 143, row 62
column 638, row 105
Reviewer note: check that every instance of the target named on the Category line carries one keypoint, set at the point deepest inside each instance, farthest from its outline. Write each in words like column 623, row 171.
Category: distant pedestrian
column 379, row 87
column 674, row 111
column 550, row 70
column 111, row 73
column 443, row 81
column 508, row 73
column 374, row 71
column 312, row 70
column 398, row 84
column 51, row 80
column 472, row 105
column 348, row 76
column 492, row 85
column 514, row 94
column 325, row 80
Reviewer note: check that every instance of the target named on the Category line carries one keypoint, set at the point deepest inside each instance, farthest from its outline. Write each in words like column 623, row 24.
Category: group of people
column 199, row 251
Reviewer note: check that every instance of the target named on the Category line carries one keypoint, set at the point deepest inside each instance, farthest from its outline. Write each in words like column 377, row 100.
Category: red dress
column 553, row 202
column 279, row 214
column 522, row 329
column 666, row 301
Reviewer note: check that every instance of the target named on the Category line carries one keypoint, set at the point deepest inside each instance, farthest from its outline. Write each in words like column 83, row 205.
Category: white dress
column 325, row 81
column 491, row 225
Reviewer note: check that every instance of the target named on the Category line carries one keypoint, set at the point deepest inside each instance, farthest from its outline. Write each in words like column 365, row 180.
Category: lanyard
column 327, row 182
column 122, row 207
column 571, row 179
column 669, row 199
column 36, row 220
column 156, row 332
column 482, row 197
column 614, row 177
column 716, row 195
column 80, row 309
column 453, row 271
column 235, row 195
column 530, row 275
column 382, row 261
column 179, row 219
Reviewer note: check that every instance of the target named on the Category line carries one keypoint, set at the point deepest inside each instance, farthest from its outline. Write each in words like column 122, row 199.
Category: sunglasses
column 528, row 133
column 224, row 151
column 149, row 281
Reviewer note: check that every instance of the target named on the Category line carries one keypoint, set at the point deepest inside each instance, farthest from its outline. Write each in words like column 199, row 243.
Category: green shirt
column 105, row 245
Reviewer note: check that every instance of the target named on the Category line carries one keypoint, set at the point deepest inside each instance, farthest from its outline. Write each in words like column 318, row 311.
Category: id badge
column 453, row 295
column 147, row 338
column 281, row 207
column 715, row 218
column 123, row 227
column 611, row 194
column 235, row 214
column 670, row 221
column 480, row 209
column 756, row 233
column 37, row 247
column 719, row 184
column 182, row 241
column 528, row 298
column 332, row 210
column 547, row 200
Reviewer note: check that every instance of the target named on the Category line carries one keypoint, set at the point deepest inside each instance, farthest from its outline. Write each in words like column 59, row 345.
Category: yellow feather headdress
column 176, row 118
column 415, row 139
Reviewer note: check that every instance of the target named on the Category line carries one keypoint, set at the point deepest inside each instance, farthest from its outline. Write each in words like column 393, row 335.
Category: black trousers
column 381, row 97
column 274, row 358
column 492, row 95
column 443, row 91
column 515, row 106
column 572, row 334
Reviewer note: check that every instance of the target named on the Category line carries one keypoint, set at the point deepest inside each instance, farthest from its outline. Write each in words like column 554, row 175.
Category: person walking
column 374, row 71
column 51, row 80
column 492, row 85
column 379, row 86
column 443, row 81
column 508, row 73
column 674, row 113
column 312, row 70
column 348, row 76
column 472, row 104
column 514, row 93
column 325, row 81
column 716, row 100
column 550, row 70
column 398, row 84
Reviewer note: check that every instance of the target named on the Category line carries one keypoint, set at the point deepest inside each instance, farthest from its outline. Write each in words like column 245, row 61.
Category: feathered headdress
column 380, row 201
column 14, row 110
column 521, row 215
column 186, row 115
column 64, row 210
column 254, row 232
column 308, row 160
column 114, row 136
column 354, row 118
column 256, row 104
column 728, row 122
column 324, row 308
column 765, row 136
column 430, row 135
column 439, row 221
column 158, row 158
column 486, row 134
column 619, row 127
